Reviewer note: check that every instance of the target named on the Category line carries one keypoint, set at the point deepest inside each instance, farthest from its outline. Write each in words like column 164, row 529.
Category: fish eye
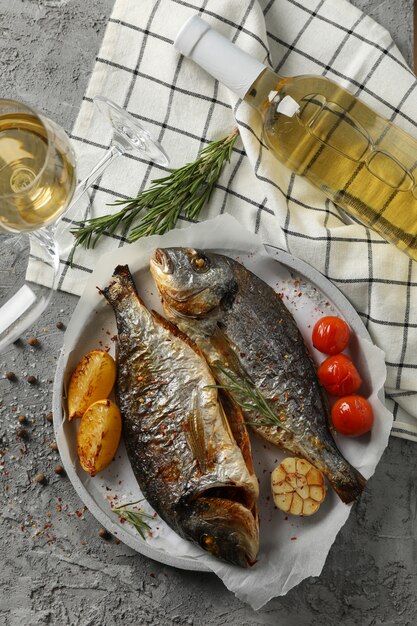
column 200, row 263
column 207, row 541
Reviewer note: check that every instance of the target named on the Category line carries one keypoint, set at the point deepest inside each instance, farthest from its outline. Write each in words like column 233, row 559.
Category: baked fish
column 179, row 442
column 243, row 329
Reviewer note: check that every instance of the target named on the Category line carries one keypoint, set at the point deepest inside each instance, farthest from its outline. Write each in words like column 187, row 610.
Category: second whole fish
column 180, row 444
column 244, row 329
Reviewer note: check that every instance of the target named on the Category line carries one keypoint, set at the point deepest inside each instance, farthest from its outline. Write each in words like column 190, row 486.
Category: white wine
column 363, row 162
column 37, row 172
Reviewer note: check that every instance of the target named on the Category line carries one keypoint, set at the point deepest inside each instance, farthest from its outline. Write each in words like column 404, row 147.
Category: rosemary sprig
column 249, row 398
column 185, row 189
column 134, row 516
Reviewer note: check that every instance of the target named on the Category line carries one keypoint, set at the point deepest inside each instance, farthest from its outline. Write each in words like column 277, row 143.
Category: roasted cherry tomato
column 339, row 376
column 331, row 335
column 352, row 416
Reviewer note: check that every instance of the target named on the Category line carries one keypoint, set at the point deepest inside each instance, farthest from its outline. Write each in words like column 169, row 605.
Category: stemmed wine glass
column 37, row 187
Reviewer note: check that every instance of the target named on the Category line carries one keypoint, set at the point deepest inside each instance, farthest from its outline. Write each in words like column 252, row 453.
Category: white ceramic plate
column 307, row 294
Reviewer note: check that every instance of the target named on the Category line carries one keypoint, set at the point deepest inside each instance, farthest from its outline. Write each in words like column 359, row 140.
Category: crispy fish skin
column 179, row 443
column 238, row 321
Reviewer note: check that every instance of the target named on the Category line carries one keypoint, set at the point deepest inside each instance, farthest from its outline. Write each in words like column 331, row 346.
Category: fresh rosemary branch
column 186, row 190
column 249, row 398
column 134, row 517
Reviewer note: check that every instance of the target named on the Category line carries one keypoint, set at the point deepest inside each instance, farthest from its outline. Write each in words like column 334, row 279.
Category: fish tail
column 350, row 487
column 121, row 287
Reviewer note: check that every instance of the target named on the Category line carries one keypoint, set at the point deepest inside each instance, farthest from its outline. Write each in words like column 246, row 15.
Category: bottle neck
column 263, row 90
column 242, row 73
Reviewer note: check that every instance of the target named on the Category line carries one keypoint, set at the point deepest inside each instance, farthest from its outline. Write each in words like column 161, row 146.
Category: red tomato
column 352, row 416
column 331, row 335
column 339, row 376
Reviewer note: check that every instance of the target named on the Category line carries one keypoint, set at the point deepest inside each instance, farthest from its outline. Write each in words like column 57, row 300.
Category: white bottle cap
column 221, row 58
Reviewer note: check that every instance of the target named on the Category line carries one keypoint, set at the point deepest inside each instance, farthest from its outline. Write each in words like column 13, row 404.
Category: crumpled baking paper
column 291, row 548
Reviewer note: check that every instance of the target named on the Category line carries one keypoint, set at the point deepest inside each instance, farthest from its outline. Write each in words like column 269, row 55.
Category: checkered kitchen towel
column 184, row 108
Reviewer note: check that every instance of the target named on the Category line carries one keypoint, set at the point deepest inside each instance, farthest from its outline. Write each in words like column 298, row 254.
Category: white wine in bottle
column 37, row 175
column 359, row 159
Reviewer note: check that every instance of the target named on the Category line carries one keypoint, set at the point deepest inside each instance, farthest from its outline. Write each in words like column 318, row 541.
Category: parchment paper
column 291, row 548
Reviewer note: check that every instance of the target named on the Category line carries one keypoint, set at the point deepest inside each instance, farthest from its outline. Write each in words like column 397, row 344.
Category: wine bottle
column 360, row 160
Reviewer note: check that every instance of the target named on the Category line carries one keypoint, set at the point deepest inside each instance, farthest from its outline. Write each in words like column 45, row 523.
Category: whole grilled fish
column 241, row 324
column 183, row 453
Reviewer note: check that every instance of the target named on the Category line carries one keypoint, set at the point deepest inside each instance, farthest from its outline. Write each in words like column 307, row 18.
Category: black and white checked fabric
column 184, row 109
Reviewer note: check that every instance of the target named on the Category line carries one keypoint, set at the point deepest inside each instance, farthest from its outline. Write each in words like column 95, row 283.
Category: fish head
column 192, row 282
column 225, row 528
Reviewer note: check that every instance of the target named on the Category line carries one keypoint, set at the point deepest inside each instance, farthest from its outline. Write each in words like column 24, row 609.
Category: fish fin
column 172, row 328
column 227, row 349
column 196, row 437
column 235, row 420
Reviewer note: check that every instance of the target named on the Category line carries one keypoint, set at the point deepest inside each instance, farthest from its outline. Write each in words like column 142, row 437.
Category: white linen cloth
column 184, row 109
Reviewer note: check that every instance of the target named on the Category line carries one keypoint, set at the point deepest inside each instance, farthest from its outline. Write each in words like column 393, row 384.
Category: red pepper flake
column 293, row 538
column 150, row 535
column 117, row 542
column 296, row 283
column 59, row 508
column 78, row 513
column 152, row 575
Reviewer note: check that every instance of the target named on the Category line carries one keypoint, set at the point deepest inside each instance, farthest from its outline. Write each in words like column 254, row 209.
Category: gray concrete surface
column 54, row 569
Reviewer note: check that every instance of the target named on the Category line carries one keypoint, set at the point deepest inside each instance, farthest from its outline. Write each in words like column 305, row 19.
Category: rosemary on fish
column 249, row 398
column 134, row 516
column 186, row 189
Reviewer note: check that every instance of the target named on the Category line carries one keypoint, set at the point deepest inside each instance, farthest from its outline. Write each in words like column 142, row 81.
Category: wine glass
column 37, row 187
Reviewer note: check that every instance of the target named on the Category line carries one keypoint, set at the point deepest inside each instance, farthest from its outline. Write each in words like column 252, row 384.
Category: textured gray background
column 54, row 569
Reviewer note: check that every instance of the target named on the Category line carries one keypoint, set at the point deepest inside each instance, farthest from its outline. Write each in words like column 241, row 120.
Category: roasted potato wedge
column 99, row 436
column 92, row 380
column 297, row 487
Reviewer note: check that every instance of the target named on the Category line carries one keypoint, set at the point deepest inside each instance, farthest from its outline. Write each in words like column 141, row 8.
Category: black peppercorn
column 104, row 534
column 58, row 469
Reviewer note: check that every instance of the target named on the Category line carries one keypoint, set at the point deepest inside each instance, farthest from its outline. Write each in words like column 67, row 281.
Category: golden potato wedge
column 297, row 487
column 99, row 436
column 92, row 380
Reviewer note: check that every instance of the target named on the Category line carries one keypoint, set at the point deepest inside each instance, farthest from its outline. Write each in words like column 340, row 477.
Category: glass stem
column 44, row 251
column 112, row 154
